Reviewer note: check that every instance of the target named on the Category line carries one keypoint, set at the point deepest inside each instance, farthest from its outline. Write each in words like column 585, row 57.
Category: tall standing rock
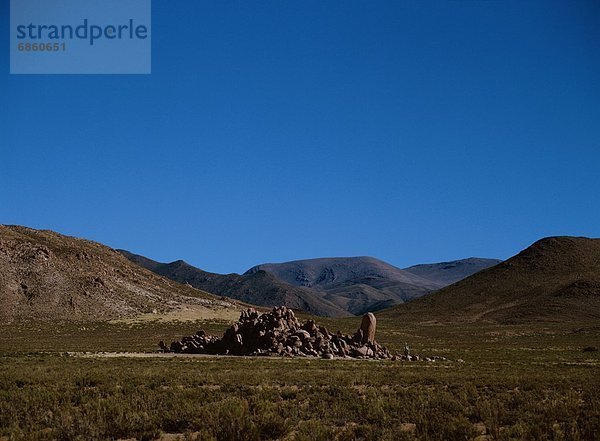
column 367, row 327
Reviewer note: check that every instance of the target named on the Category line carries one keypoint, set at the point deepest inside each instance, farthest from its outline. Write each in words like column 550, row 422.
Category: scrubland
column 500, row 383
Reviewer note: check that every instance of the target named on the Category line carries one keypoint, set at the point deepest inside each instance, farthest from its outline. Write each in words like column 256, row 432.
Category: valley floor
column 517, row 383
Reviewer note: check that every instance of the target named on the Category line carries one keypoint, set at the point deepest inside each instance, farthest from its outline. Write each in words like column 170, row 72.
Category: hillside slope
column 356, row 284
column 555, row 279
column 259, row 288
column 47, row 276
column 447, row 273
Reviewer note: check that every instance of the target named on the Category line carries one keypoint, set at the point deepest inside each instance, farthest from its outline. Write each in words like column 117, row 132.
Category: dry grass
column 515, row 383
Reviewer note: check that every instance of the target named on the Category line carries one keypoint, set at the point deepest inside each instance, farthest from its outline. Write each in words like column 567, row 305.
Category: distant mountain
column 447, row 273
column 555, row 279
column 335, row 287
column 355, row 284
column 47, row 276
column 259, row 288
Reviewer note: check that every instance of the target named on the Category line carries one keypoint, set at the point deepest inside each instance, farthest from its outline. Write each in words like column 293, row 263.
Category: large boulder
column 367, row 328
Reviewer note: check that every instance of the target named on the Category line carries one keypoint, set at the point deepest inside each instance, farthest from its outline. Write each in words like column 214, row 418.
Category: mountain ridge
column 362, row 284
column 324, row 286
column 557, row 278
column 261, row 289
column 452, row 271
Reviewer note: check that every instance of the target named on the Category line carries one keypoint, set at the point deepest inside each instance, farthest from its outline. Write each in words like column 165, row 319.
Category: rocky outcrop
column 279, row 333
column 367, row 328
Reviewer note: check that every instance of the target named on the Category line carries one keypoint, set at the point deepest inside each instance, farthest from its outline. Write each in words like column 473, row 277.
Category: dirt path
column 144, row 355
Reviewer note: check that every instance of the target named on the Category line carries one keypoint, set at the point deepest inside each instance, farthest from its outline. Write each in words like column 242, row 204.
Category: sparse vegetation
column 515, row 383
column 46, row 276
column 556, row 279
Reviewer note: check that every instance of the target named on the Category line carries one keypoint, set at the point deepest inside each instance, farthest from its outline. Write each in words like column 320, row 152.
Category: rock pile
column 280, row 333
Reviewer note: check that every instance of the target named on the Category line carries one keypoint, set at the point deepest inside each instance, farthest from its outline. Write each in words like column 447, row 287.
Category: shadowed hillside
column 555, row 279
column 45, row 275
column 259, row 288
column 356, row 284
column 334, row 287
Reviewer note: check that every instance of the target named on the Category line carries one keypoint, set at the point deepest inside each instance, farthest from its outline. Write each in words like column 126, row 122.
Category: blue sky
column 277, row 130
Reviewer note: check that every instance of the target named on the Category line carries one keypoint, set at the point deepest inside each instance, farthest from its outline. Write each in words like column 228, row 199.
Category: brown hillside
column 354, row 284
column 45, row 275
column 555, row 279
column 259, row 288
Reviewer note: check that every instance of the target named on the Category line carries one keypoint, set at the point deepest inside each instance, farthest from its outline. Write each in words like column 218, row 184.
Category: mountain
column 447, row 273
column 259, row 288
column 555, row 279
column 355, row 284
column 47, row 276
column 334, row 287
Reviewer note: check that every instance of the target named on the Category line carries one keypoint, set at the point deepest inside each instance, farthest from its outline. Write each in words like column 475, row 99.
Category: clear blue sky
column 276, row 130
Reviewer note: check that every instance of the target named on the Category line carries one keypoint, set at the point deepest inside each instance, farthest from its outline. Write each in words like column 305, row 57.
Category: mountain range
column 260, row 288
column 48, row 276
column 335, row 287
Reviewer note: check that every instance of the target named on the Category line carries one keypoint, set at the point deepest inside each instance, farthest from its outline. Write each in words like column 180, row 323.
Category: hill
column 447, row 273
column 47, row 276
column 333, row 287
column 259, row 288
column 555, row 279
column 356, row 284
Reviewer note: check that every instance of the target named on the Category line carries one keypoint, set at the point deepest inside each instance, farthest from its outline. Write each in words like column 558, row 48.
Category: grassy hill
column 555, row 279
